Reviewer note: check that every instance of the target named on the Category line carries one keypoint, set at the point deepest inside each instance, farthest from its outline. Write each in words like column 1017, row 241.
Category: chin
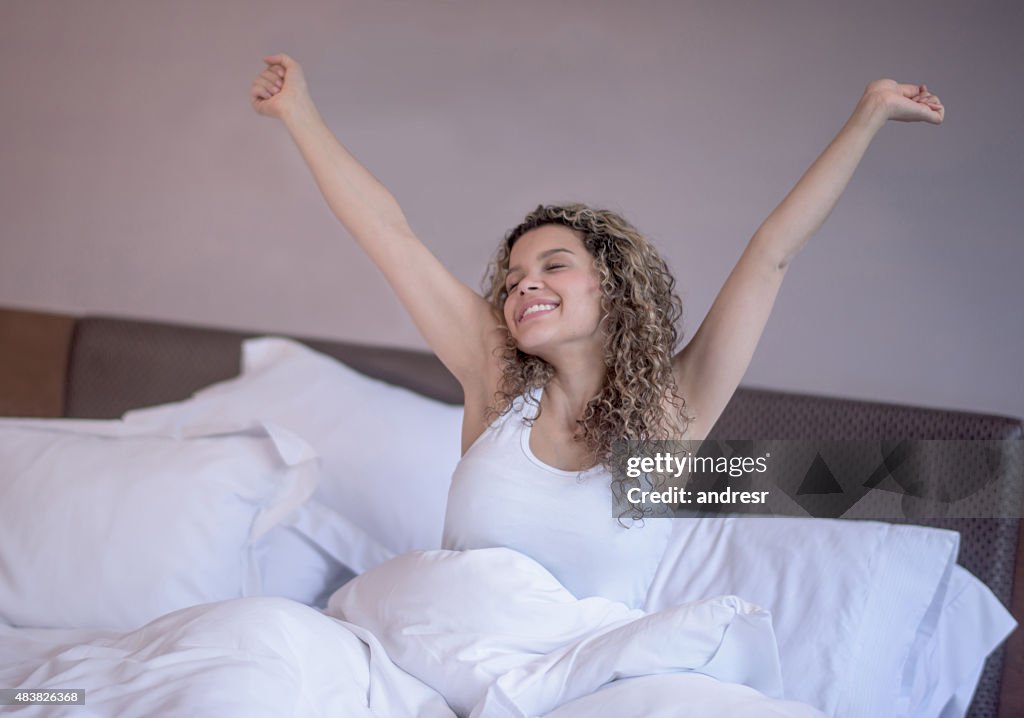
column 526, row 348
column 533, row 348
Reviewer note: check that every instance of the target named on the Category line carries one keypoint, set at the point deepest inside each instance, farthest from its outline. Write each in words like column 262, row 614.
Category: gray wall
column 137, row 181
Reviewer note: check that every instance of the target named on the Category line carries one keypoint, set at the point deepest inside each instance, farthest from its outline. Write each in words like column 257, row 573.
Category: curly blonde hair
column 640, row 310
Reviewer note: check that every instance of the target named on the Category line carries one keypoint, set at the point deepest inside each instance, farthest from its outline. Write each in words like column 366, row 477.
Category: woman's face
column 554, row 292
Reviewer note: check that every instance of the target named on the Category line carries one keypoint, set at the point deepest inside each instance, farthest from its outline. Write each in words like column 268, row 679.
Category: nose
column 529, row 284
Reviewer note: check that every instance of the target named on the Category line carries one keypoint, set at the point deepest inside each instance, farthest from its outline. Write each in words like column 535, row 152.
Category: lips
column 545, row 306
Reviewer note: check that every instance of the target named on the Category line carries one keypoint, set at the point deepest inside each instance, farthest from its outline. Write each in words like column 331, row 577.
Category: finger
column 271, row 78
column 262, row 91
column 267, row 85
column 910, row 91
column 279, row 59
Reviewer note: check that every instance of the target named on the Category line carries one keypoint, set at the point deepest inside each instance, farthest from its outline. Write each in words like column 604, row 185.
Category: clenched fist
column 280, row 88
column 906, row 103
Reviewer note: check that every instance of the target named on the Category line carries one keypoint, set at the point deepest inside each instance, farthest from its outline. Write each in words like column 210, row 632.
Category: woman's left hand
column 906, row 103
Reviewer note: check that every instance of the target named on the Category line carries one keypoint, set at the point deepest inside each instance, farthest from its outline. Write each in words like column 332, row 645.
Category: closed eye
column 547, row 268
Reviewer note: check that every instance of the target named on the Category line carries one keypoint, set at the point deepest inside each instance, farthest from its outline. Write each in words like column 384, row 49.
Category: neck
column 576, row 381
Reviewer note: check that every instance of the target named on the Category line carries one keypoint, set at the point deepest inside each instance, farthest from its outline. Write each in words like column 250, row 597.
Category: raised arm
column 710, row 367
column 456, row 322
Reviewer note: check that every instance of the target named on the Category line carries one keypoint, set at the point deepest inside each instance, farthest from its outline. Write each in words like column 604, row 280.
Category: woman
column 576, row 335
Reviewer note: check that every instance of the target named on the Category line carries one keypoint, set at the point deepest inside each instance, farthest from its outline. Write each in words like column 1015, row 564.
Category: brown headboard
column 99, row 367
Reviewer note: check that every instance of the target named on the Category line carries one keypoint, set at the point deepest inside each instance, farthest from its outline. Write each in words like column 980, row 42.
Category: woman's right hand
column 280, row 88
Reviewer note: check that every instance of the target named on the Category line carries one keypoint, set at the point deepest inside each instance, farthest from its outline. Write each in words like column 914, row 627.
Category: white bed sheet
column 541, row 653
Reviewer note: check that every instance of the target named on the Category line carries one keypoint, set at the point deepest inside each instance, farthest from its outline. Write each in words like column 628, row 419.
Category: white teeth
column 538, row 308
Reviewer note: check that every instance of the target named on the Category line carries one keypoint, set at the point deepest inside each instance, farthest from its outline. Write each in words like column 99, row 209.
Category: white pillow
column 108, row 526
column 963, row 626
column 388, row 453
column 300, row 561
column 847, row 598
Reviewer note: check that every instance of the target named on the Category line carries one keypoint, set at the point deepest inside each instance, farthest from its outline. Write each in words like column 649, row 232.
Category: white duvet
column 486, row 633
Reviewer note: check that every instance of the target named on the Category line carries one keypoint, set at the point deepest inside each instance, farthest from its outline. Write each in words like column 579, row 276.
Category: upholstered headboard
column 99, row 367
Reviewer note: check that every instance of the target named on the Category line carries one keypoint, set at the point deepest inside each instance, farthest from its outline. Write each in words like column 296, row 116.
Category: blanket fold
column 437, row 634
column 497, row 635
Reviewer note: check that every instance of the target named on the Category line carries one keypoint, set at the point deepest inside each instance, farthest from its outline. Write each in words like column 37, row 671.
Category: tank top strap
column 521, row 409
column 527, row 404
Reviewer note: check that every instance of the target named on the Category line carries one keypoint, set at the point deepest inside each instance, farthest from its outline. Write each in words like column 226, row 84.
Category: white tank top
column 503, row 495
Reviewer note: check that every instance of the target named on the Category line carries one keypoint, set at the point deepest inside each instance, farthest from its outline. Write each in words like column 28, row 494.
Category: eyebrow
column 543, row 255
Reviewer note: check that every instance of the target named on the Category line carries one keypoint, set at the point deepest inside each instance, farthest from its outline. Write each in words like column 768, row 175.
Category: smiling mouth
column 537, row 309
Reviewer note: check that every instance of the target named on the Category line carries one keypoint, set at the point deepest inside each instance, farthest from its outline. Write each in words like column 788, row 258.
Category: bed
column 89, row 371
